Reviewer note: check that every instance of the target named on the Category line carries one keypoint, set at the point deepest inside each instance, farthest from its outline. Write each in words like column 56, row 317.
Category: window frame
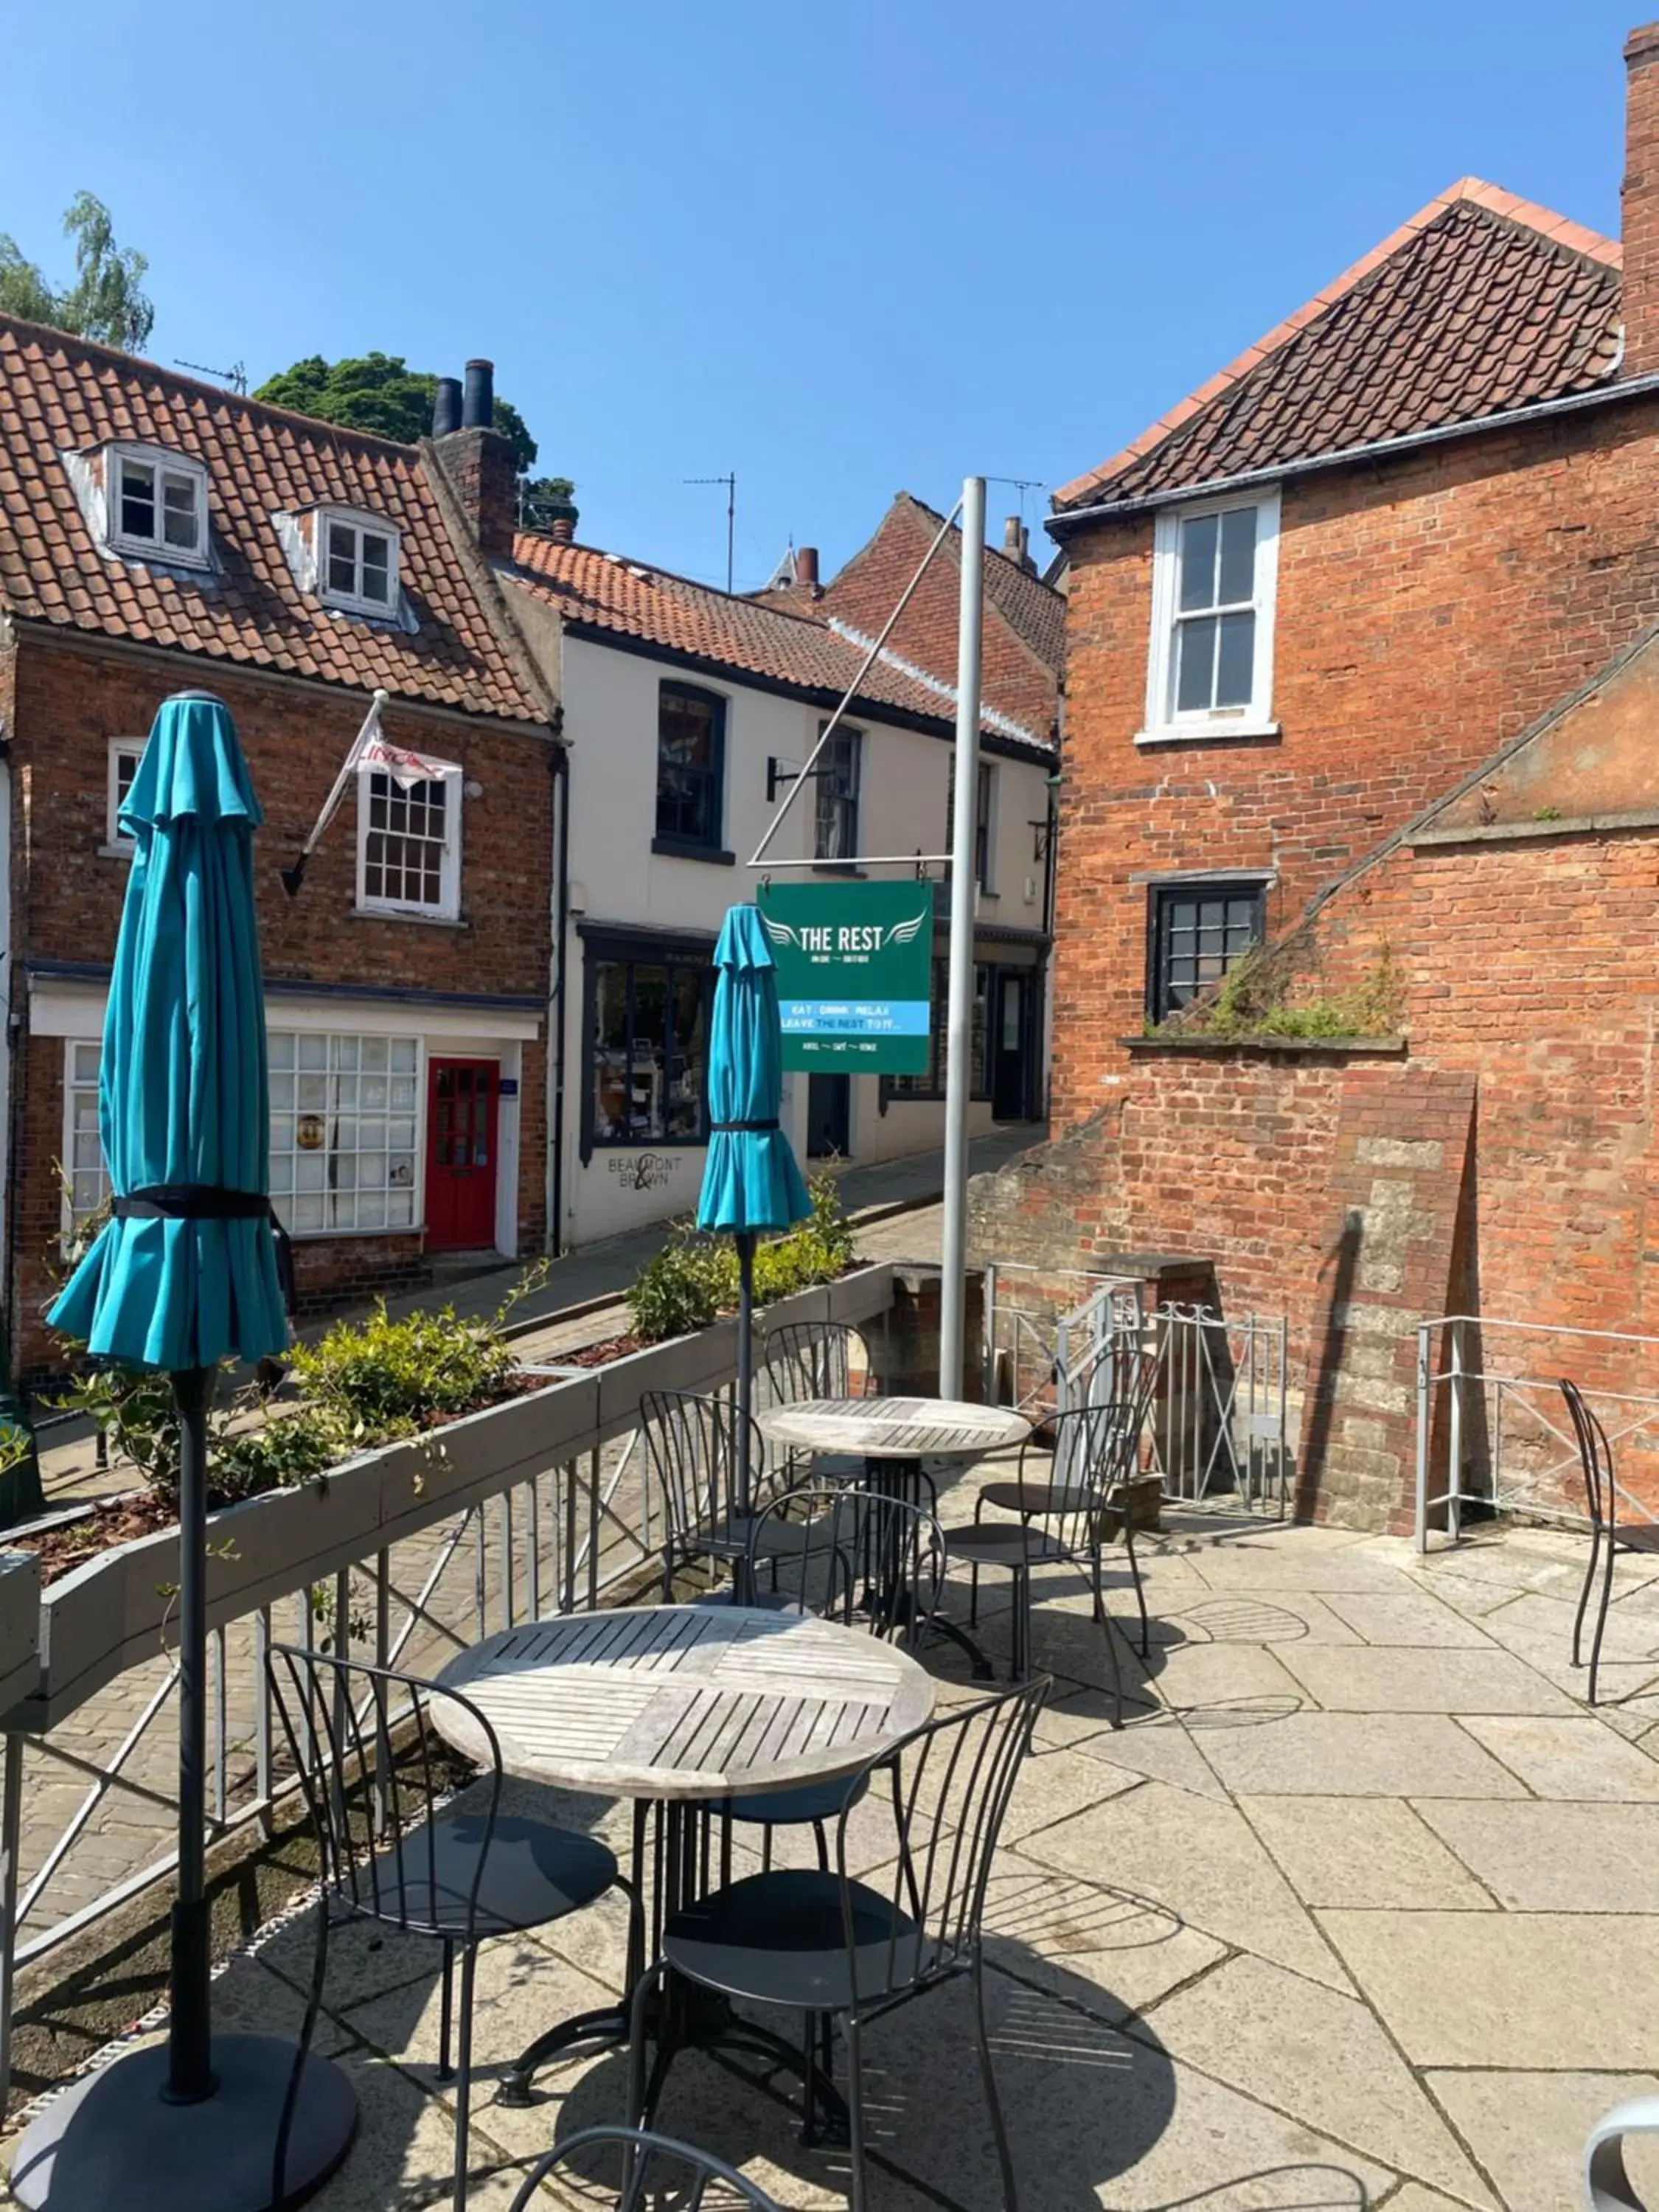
column 851, row 799
column 325, row 519
column 985, row 809
column 669, row 954
column 116, row 841
column 117, row 458
column 676, row 843
column 1163, row 722
column 448, row 909
column 1161, row 896
column 72, row 1214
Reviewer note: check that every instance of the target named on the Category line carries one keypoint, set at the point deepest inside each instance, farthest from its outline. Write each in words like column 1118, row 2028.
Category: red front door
column 460, row 1154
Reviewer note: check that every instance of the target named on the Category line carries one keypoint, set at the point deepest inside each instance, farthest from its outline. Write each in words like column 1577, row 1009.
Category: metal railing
column 1218, row 1417
column 81, row 1798
column 1492, row 1427
column 1044, row 1329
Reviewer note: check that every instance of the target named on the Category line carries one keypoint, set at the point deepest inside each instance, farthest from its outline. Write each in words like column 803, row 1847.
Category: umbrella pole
column 190, row 2073
column 745, row 1242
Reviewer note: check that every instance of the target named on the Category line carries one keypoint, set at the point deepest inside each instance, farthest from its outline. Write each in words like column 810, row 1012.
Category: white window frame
column 165, row 463
column 1254, row 719
column 324, row 520
column 116, row 840
column 448, row 907
column 72, row 1215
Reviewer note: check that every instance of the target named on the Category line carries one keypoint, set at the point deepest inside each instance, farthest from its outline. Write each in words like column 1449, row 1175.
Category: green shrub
column 383, row 1378
column 693, row 1279
column 281, row 1454
column 132, row 1410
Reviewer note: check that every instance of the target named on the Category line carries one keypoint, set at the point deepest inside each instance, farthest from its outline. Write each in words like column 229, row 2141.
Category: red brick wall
column 67, row 900
column 1427, row 610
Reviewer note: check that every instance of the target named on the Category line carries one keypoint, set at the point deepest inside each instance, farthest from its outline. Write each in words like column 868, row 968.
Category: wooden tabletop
column 683, row 1701
column 894, row 1428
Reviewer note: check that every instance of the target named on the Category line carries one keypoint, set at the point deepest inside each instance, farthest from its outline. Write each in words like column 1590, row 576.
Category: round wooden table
column 669, row 1706
column 898, row 1439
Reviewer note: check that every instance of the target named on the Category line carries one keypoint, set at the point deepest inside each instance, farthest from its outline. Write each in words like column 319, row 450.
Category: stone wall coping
column 1565, row 826
column 1209, row 1047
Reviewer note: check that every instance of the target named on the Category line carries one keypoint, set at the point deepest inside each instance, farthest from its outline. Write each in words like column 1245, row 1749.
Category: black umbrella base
column 112, row 2140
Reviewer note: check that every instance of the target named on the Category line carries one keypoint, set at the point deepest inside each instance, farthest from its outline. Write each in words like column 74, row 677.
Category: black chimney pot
column 447, row 406
column 478, row 407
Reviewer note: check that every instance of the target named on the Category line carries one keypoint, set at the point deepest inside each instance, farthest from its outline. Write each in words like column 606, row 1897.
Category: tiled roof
column 603, row 592
column 60, row 394
column 1481, row 303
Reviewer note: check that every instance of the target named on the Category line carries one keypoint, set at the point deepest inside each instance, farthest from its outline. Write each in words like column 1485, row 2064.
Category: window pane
column 1198, row 542
column 179, row 516
column 1237, row 557
column 682, row 1116
column 647, row 1072
column 688, row 766
column 1194, row 664
column 137, row 500
column 377, row 563
column 1237, row 663
column 342, row 558
column 610, row 1050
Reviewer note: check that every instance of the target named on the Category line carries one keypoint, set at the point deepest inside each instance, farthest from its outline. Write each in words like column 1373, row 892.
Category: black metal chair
column 690, row 1447
column 641, row 2158
column 390, row 1849
column 1601, row 1498
column 1065, row 1514
column 861, row 1562
column 820, row 1359
column 834, row 1948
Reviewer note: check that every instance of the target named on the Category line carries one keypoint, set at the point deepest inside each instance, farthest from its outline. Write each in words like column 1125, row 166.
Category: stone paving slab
column 1581, row 1759
column 1408, row 1617
column 1372, row 1853
column 1359, row 1755
column 1556, row 1857
column 1414, row 1681
column 1527, row 2131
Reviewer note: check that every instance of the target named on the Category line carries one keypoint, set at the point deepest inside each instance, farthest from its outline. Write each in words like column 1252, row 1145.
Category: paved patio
column 1361, row 1907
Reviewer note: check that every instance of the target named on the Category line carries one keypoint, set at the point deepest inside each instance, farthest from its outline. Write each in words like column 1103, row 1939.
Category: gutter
column 553, row 1240
column 1060, row 525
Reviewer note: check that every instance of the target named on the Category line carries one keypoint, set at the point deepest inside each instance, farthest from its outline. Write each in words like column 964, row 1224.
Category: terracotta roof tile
column 59, row 393
column 1482, row 302
column 603, row 592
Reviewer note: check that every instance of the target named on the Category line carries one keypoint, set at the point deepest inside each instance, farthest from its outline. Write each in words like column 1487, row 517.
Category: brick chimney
column 806, row 571
column 478, row 460
column 1016, row 542
column 1640, row 197
column 563, row 530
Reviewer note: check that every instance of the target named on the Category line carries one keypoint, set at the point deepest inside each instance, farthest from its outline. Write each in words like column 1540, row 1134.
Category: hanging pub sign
column 856, row 971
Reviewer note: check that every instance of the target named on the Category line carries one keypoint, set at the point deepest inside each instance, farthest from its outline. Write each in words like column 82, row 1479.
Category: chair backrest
column 1096, row 1447
column 818, row 1360
column 642, row 2167
column 951, row 1780
column 1595, row 1456
column 689, row 1448
column 371, row 1799
column 851, row 1556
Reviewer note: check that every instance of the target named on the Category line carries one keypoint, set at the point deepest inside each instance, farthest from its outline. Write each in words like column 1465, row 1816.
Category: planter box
column 20, row 1625
column 116, row 1611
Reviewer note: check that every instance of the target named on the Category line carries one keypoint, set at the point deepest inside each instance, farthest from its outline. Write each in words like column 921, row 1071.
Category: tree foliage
column 107, row 301
column 379, row 392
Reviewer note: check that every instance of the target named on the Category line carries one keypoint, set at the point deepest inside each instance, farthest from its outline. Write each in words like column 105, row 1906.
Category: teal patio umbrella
column 185, row 1275
column 751, row 1180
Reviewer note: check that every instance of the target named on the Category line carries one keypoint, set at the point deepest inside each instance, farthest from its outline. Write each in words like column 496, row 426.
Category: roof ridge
column 1557, row 230
column 95, row 349
column 996, row 552
column 659, row 574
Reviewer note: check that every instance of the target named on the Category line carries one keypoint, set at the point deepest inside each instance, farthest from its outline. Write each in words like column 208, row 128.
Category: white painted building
column 686, row 711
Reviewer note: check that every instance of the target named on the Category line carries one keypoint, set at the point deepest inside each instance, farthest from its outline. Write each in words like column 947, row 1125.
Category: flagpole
column 965, row 886
column 294, row 877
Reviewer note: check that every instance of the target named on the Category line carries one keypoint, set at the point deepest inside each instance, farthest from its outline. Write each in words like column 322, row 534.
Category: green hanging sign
column 855, row 972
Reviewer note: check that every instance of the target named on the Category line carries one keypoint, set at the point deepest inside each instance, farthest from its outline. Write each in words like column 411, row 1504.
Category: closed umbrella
column 185, row 1275
column 751, row 1180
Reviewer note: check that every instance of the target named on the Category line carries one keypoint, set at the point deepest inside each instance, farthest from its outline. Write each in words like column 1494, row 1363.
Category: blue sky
column 843, row 250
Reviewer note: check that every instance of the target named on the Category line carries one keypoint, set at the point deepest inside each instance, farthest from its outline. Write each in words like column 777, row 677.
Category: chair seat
column 1637, row 1536
column 780, row 1939
column 1003, row 1544
column 789, row 1808
column 1049, row 1498
column 534, row 1873
column 729, row 1539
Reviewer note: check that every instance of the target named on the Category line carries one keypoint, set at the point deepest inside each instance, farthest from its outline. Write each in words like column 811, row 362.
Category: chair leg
column 463, row 2085
column 1021, row 1626
column 858, row 2199
column 1583, row 1593
column 823, row 1846
column 1602, row 1618
column 445, row 2017
column 973, row 1572
column 809, row 2079
column 636, row 2013
column 988, row 2073
column 1135, row 1576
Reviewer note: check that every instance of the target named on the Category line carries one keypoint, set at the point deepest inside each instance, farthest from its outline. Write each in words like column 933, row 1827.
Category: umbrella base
column 112, row 2140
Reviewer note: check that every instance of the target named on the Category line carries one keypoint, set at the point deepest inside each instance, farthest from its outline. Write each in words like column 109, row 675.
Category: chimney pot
column 447, row 406
column 478, row 404
column 806, row 569
column 1639, row 197
column 563, row 530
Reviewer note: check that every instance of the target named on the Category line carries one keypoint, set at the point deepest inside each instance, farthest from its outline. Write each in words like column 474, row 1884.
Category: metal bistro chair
column 690, row 1448
column 855, row 1561
column 820, row 1359
column 1064, row 1519
column 638, row 2178
column 390, row 1851
column 1601, row 1498
column 832, row 1947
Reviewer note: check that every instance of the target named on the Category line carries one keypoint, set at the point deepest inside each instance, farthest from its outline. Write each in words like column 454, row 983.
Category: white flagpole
column 965, row 889
column 294, row 877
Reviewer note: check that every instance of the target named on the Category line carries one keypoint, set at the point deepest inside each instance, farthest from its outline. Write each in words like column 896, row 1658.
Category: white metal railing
column 1045, row 1328
column 1493, row 1428
column 1218, row 1419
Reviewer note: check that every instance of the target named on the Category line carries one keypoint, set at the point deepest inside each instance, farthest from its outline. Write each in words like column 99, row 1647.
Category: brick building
column 1360, row 682
column 157, row 534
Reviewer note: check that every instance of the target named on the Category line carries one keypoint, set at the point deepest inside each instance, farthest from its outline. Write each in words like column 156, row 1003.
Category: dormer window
column 356, row 562
column 156, row 505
